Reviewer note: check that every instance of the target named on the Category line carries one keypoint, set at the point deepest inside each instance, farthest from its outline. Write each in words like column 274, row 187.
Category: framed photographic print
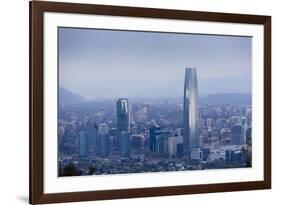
column 139, row 102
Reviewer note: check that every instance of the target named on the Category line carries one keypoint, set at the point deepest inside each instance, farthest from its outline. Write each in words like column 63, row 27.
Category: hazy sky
column 103, row 63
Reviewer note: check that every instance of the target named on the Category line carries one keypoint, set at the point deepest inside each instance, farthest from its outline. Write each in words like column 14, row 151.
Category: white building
column 196, row 154
column 172, row 145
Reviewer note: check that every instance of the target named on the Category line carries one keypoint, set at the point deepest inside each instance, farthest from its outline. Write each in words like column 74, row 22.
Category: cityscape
column 128, row 103
column 153, row 136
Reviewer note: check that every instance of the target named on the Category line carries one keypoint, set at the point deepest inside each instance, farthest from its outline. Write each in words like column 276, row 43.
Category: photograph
column 147, row 101
column 131, row 101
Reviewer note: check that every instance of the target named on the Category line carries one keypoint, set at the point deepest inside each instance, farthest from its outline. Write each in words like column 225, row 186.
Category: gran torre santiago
column 190, row 110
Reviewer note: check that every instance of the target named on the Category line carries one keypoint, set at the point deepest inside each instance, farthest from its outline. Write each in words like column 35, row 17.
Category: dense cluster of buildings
column 156, row 136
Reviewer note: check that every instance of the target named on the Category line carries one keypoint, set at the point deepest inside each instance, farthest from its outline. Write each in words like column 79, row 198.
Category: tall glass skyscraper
column 123, row 115
column 152, row 137
column 190, row 110
column 123, row 125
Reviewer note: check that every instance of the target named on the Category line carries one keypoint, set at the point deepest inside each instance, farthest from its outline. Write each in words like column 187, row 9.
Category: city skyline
column 152, row 144
column 142, row 112
column 156, row 58
column 147, row 137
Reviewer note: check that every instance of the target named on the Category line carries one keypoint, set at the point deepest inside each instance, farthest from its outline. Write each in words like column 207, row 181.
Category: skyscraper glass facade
column 123, row 115
column 190, row 110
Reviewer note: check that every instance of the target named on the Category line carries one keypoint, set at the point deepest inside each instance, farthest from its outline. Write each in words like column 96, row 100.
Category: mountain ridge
column 227, row 98
column 68, row 97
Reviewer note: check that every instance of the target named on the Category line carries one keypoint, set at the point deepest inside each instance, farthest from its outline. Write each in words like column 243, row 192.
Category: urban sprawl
column 114, row 136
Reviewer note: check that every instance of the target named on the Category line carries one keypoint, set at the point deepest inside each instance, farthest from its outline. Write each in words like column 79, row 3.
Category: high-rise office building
column 83, row 144
column 124, row 141
column 244, row 129
column 190, row 110
column 162, row 140
column 152, row 137
column 123, row 115
column 103, row 137
column 236, row 135
column 249, row 136
column 173, row 145
column 92, row 130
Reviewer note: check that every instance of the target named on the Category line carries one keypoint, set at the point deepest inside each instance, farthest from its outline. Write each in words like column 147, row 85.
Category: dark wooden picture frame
column 37, row 8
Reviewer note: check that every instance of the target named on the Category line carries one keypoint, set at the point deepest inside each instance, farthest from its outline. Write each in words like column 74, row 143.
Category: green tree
column 70, row 170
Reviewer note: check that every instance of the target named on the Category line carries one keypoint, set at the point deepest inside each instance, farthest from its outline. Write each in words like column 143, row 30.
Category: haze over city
column 103, row 63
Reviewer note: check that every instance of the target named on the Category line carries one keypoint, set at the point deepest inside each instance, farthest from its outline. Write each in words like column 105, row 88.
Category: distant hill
column 227, row 98
column 68, row 97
